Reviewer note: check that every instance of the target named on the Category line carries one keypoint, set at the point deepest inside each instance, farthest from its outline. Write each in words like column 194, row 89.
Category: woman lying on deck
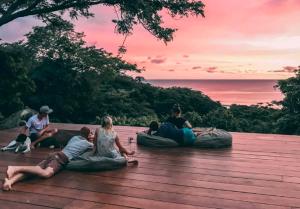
column 53, row 163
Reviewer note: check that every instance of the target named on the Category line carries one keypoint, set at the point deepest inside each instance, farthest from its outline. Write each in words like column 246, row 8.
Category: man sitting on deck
column 53, row 163
column 38, row 126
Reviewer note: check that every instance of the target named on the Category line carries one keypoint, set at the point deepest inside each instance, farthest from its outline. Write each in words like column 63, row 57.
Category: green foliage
column 82, row 84
column 194, row 118
column 220, row 118
column 130, row 121
column 63, row 43
column 64, row 89
column 290, row 122
column 15, row 83
column 291, row 90
column 129, row 13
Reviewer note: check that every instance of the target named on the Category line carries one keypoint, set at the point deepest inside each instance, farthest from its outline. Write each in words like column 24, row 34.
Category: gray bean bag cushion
column 207, row 138
column 89, row 162
column 213, row 138
column 155, row 141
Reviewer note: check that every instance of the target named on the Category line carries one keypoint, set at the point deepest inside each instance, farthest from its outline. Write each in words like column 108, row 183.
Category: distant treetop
column 129, row 13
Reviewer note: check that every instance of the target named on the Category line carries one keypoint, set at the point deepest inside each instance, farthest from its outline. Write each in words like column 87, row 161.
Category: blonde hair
column 107, row 122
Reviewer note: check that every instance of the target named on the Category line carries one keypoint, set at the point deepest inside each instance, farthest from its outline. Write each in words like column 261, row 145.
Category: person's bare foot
column 10, row 171
column 6, row 185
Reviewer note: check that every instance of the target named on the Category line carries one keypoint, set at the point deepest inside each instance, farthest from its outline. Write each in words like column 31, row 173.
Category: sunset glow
column 257, row 39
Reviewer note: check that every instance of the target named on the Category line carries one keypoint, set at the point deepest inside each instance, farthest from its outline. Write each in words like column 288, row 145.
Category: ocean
column 243, row 92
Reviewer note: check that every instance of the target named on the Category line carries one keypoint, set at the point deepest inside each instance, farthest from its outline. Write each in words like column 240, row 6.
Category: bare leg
column 35, row 170
column 52, row 131
column 40, row 139
column 45, row 135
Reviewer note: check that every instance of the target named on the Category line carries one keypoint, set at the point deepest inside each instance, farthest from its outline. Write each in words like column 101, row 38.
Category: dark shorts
column 57, row 161
column 34, row 136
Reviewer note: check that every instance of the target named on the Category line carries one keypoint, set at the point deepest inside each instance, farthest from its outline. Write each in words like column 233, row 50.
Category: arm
column 27, row 126
column 187, row 124
column 95, row 140
column 121, row 148
column 43, row 131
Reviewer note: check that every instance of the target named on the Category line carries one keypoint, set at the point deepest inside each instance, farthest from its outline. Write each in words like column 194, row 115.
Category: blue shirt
column 76, row 146
column 169, row 130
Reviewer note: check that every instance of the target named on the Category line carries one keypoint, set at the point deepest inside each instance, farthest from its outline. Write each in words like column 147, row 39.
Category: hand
column 91, row 137
column 130, row 153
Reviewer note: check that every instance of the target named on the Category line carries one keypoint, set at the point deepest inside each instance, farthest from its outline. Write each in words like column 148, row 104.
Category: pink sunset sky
column 255, row 39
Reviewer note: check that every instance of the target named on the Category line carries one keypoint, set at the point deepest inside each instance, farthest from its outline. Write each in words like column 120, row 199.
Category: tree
column 15, row 83
column 291, row 91
column 289, row 123
column 129, row 13
column 69, row 75
column 63, row 43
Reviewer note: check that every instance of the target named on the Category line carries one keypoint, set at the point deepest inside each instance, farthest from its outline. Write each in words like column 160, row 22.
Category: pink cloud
column 196, row 67
column 158, row 60
column 286, row 69
column 232, row 34
column 211, row 69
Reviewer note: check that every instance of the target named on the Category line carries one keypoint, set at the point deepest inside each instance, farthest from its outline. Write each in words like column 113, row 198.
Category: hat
column 45, row 109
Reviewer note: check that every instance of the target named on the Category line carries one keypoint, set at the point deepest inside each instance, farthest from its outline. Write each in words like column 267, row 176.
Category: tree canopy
column 129, row 13
column 83, row 83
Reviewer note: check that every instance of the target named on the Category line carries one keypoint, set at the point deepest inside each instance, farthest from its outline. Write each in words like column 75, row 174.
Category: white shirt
column 76, row 146
column 35, row 125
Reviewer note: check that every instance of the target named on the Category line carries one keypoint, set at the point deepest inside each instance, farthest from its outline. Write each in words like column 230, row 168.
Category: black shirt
column 178, row 122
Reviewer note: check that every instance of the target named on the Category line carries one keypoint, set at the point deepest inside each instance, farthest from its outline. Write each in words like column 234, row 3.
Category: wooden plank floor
column 259, row 171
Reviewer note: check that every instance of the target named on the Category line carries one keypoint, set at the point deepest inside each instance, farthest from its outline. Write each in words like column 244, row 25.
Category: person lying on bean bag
column 167, row 135
column 183, row 136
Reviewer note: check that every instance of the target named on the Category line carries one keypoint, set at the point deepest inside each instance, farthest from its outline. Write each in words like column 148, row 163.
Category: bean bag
column 213, row 138
column 207, row 138
column 89, row 162
column 155, row 141
column 59, row 139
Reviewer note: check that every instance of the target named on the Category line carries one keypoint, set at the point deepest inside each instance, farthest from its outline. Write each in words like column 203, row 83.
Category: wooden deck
column 260, row 171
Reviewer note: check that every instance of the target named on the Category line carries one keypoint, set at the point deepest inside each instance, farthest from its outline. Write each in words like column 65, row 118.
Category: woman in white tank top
column 105, row 140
